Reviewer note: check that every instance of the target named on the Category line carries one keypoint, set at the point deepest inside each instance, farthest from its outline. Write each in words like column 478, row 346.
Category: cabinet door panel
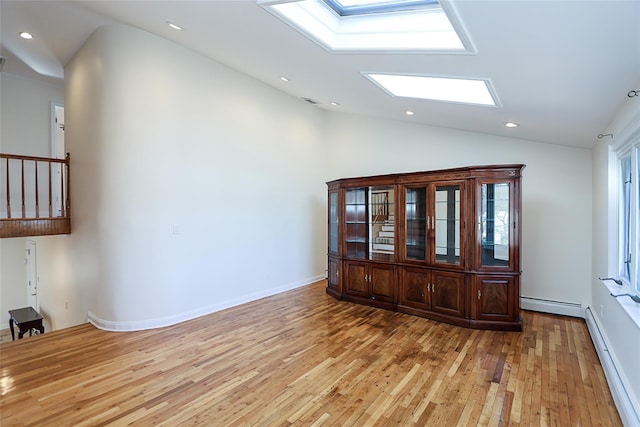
column 416, row 223
column 414, row 291
column 447, row 223
column 383, row 223
column 333, row 226
column 382, row 283
column 448, row 293
column 333, row 275
column 356, row 230
column 495, row 298
column 356, row 279
column 496, row 216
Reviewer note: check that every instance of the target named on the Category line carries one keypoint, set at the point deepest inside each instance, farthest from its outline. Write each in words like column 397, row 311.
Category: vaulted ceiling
column 561, row 69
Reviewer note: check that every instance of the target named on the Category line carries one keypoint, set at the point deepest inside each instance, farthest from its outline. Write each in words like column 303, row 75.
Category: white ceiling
column 562, row 69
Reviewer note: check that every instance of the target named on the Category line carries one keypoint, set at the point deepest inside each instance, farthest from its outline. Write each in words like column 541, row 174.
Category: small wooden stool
column 26, row 319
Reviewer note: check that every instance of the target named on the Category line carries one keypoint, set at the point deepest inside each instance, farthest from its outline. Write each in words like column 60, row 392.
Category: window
column 628, row 256
column 624, row 253
column 637, row 221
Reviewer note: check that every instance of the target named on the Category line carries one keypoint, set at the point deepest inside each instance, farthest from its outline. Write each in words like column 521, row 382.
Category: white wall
column 26, row 114
column 556, row 189
column 13, row 277
column 194, row 187
column 621, row 334
column 25, row 128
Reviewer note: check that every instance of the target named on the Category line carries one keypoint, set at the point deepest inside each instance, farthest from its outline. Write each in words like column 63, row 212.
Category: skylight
column 366, row 25
column 448, row 89
column 360, row 7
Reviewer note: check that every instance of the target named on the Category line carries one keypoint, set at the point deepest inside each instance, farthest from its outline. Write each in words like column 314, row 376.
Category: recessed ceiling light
column 284, row 79
column 449, row 89
column 409, row 113
column 26, row 35
column 174, row 26
column 511, row 125
column 335, row 104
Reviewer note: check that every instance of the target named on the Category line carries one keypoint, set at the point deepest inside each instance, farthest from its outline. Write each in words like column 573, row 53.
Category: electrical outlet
column 66, row 305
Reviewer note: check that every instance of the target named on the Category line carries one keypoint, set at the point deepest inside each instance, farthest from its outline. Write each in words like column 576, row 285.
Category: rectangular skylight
column 351, row 3
column 448, row 89
column 426, row 28
column 361, row 7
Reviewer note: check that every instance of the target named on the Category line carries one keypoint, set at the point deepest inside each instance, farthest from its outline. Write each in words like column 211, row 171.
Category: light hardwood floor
column 5, row 335
column 303, row 358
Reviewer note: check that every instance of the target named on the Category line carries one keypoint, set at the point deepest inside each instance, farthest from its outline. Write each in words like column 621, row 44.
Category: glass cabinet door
column 370, row 223
column 416, row 223
column 495, row 238
column 333, row 223
column 382, row 223
column 433, row 223
column 447, row 224
column 356, row 215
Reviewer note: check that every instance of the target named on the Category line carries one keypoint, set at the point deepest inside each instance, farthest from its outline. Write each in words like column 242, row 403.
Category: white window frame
column 629, row 147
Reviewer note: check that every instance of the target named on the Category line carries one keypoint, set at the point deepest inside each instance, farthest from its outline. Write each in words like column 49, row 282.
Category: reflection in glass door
column 356, row 223
column 447, row 224
column 494, row 224
column 382, row 223
column 416, row 223
column 333, row 223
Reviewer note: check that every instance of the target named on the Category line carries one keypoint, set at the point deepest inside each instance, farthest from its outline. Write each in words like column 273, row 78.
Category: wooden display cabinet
column 439, row 244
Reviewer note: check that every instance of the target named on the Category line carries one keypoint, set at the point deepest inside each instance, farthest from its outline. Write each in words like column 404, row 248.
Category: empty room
column 320, row 212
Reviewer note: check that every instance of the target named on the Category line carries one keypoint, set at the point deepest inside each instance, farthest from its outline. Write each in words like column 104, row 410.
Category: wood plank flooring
column 5, row 334
column 303, row 358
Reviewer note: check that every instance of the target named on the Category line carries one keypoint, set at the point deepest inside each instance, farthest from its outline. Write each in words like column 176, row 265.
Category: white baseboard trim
column 138, row 325
column 553, row 307
column 621, row 398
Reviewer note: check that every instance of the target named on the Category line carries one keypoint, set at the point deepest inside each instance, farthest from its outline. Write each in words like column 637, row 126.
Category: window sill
column 628, row 305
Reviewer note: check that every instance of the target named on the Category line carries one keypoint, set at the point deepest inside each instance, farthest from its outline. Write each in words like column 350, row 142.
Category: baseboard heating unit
column 628, row 414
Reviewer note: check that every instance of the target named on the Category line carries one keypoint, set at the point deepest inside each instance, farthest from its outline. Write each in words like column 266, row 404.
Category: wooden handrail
column 30, row 189
column 35, row 158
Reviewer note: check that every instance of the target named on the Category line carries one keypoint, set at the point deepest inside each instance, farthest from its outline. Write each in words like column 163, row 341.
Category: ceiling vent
column 310, row 101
